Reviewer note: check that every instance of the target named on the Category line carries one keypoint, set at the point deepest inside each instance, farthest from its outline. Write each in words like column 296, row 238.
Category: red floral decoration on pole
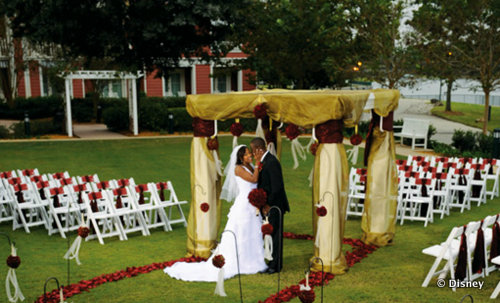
column 83, row 231
column 307, row 296
column 257, row 197
column 356, row 139
column 260, row 111
column 218, row 261
column 292, row 131
column 267, row 229
column 313, row 148
column 321, row 211
column 213, row 144
column 236, row 129
column 13, row 261
column 204, row 207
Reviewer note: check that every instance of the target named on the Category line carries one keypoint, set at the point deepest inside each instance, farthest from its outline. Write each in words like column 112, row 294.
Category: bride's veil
column 230, row 188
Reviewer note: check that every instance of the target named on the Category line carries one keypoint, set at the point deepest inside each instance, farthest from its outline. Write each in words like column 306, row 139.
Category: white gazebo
column 103, row 75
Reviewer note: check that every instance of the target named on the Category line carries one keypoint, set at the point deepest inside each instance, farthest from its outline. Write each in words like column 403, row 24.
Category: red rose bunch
column 321, row 211
column 213, row 144
column 218, row 261
column 292, row 131
column 13, row 261
column 260, row 166
column 83, row 231
column 236, row 129
column 204, row 207
column 267, row 229
column 260, row 111
column 307, row 296
column 257, row 197
column 356, row 139
column 313, row 148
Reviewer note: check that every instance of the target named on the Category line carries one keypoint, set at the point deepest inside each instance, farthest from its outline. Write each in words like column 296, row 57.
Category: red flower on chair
column 267, row 229
column 218, row 261
column 257, row 197
column 83, row 231
column 204, row 207
column 236, row 129
column 13, row 261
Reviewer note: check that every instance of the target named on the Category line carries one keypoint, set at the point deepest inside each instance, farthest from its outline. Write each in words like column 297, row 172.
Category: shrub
column 38, row 127
column 116, row 118
column 82, row 109
column 152, row 115
column 37, row 107
column 170, row 102
column 4, row 132
column 463, row 141
column 183, row 122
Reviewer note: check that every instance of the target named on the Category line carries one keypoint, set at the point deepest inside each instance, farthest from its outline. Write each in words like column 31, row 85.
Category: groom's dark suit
column 271, row 180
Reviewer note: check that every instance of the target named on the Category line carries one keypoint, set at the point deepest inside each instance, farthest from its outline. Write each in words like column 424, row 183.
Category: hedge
column 37, row 107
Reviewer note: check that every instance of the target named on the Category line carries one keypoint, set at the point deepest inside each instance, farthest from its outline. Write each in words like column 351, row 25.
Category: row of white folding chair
column 356, row 196
column 449, row 250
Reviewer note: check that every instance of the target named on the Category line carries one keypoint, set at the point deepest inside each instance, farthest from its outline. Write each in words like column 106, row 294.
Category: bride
column 243, row 220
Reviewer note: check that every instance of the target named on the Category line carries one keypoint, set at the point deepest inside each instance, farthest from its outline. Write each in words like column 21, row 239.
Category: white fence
column 470, row 99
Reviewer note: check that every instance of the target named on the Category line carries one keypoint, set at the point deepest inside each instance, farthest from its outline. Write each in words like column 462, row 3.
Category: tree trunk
column 449, row 84
column 486, row 110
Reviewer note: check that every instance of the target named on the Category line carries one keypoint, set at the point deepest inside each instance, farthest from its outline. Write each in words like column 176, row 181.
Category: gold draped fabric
column 379, row 217
column 330, row 186
column 203, row 227
column 301, row 107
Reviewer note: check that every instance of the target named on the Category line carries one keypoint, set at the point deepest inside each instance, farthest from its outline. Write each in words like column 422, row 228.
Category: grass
column 468, row 113
column 390, row 274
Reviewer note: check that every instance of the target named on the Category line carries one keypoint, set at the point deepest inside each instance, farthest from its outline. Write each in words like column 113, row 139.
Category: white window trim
column 215, row 84
column 167, row 84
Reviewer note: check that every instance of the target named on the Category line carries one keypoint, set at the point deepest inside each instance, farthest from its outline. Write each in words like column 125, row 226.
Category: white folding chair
column 87, row 179
column 478, row 183
column 124, row 206
column 357, row 188
column 493, row 175
column 62, row 209
column 6, row 201
column 495, row 293
column 418, row 204
column 153, row 213
column 488, row 224
column 442, row 193
column 460, row 188
column 169, row 203
column 103, row 221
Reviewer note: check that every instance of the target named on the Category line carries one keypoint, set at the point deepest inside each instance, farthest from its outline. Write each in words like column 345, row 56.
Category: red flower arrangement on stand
column 213, row 144
column 267, row 229
column 204, row 207
column 218, row 261
column 236, row 129
column 321, row 210
column 260, row 111
column 314, row 148
column 292, row 131
column 83, row 231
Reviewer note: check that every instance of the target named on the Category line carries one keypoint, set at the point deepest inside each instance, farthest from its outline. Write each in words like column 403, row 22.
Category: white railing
column 461, row 98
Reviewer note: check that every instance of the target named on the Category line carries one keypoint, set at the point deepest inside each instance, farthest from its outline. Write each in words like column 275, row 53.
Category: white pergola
column 102, row 75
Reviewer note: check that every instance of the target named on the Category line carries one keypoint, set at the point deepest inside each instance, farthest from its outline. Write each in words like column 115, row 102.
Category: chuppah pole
column 237, row 259
column 279, row 244
column 322, row 273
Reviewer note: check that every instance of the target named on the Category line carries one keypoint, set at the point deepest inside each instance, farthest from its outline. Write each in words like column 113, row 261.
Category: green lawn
column 468, row 113
column 390, row 274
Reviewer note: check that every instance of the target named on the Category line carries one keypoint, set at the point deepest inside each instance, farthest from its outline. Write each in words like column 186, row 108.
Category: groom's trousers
column 274, row 220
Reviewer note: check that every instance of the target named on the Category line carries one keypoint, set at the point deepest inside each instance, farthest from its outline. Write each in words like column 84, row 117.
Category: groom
column 271, row 180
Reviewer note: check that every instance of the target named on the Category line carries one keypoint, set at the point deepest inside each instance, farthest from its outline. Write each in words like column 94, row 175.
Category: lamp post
column 496, row 143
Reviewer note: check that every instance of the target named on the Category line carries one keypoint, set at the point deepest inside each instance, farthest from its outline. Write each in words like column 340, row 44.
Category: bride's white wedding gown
column 246, row 225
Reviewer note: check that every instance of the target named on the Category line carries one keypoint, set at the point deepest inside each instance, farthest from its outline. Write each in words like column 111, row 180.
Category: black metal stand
column 279, row 244
column 45, row 287
column 463, row 298
column 322, row 273
column 8, row 238
column 237, row 259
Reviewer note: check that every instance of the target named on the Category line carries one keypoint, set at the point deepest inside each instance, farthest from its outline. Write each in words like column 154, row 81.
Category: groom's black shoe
column 271, row 271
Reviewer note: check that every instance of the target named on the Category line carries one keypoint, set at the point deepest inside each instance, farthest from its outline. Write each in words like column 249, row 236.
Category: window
column 174, row 84
column 222, row 84
column 113, row 89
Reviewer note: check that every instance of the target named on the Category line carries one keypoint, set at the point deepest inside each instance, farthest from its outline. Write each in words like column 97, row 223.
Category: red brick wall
column 77, row 88
column 154, row 85
column 21, row 88
column 203, row 79
column 246, row 75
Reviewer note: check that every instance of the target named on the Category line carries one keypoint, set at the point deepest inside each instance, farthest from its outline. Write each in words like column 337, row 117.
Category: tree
column 386, row 53
column 472, row 32
column 130, row 34
column 7, row 73
column 298, row 43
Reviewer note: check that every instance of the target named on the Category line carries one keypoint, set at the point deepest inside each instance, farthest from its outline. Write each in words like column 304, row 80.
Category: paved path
column 95, row 131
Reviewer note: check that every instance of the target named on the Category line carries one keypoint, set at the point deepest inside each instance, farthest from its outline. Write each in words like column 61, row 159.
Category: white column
column 134, row 107
column 240, row 80
column 193, row 79
column 69, row 122
column 27, row 83
column 211, row 78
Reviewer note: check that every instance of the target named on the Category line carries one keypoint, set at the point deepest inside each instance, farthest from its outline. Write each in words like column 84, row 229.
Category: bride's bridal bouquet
column 258, row 198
